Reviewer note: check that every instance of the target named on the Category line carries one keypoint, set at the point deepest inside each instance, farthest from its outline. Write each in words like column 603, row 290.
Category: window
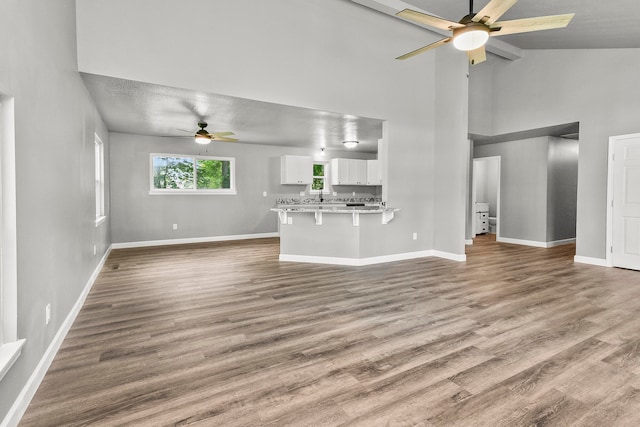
column 176, row 174
column 10, row 345
column 99, row 180
column 320, row 174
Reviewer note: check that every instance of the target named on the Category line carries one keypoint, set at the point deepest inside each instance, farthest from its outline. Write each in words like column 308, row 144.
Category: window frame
column 326, row 189
column 10, row 345
column 176, row 191
column 99, row 180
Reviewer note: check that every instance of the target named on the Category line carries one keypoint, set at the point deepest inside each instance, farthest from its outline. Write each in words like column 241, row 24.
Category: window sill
column 192, row 192
column 100, row 220
column 9, row 353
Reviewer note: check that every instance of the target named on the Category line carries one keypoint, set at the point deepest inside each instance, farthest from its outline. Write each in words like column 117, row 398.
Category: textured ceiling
column 149, row 109
column 596, row 24
column 143, row 108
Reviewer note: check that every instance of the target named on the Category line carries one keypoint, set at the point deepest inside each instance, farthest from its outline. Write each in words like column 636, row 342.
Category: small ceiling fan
column 203, row 136
column 472, row 31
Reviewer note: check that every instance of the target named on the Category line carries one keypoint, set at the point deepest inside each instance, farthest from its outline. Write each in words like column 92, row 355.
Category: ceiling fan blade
column 425, row 48
column 477, row 56
column 493, row 11
column 221, row 133
column 222, row 138
column 539, row 23
column 432, row 21
column 184, row 130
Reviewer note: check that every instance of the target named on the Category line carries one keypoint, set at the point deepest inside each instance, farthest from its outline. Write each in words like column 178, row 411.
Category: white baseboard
column 560, row 242
column 534, row 242
column 600, row 262
column 449, row 256
column 29, row 390
column 192, row 240
column 371, row 260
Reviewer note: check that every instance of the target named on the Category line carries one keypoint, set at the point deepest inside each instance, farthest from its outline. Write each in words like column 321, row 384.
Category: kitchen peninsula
column 331, row 232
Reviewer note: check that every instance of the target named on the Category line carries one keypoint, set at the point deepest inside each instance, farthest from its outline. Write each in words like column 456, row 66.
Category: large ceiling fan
column 472, row 32
column 203, row 136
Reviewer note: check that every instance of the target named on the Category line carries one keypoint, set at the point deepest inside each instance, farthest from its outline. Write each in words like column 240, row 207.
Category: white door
column 626, row 203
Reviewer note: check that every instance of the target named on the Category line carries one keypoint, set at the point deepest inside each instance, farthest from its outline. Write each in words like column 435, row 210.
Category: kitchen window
column 180, row 174
column 319, row 184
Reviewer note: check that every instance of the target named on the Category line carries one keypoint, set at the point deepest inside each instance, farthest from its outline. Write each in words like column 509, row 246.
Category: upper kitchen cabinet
column 374, row 172
column 296, row 170
column 348, row 172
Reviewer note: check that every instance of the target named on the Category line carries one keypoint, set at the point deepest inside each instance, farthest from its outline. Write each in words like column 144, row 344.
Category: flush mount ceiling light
column 350, row 144
column 472, row 32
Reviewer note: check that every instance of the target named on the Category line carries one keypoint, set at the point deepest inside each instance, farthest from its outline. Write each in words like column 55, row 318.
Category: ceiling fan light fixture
column 470, row 37
column 350, row 144
column 202, row 139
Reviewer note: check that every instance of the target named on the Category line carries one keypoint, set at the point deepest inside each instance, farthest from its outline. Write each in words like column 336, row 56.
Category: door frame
column 474, row 194
column 613, row 140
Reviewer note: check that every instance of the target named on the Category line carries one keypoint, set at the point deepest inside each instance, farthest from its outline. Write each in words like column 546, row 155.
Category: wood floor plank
column 223, row 334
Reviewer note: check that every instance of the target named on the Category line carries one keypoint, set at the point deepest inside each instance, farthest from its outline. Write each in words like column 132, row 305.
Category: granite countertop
column 333, row 208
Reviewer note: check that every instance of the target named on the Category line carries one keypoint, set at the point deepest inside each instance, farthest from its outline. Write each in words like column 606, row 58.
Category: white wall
column 451, row 154
column 332, row 55
column 538, row 187
column 523, row 187
column 597, row 88
column 562, row 189
column 55, row 122
column 138, row 216
column 480, row 96
column 486, row 174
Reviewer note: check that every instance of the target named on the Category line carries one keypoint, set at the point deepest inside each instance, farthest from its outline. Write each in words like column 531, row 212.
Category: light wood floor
column 223, row 334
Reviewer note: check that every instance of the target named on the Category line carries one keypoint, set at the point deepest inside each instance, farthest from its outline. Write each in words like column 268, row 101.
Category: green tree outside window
column 192, row 173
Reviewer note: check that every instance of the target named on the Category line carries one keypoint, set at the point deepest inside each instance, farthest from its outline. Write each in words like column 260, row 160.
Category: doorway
column 623, row 207
column 486, row 195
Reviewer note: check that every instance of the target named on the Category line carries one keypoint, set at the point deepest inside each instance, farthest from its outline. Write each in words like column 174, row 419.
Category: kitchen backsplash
column 292, row 200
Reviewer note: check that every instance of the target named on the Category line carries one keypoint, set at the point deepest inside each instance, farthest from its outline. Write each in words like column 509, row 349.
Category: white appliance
column 482, row 218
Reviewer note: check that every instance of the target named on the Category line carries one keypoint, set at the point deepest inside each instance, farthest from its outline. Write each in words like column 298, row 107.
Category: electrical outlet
column 264, row 194
column 175, row 226
column 335, row 194
column 289, row 220
column 302, row 193
column 95, row 250
column 415, row 236
column 47, row 314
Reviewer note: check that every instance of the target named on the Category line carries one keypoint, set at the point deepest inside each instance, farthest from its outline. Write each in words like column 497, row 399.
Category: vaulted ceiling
column 137, row 107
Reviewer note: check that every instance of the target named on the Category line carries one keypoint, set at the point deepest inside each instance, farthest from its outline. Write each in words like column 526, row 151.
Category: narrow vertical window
column 10, row 345
column 319, row 183
column 99, row 180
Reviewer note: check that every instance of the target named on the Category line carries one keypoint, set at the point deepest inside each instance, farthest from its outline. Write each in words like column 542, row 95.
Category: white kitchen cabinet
column 339, row 171
column 358, row 171
column 296, row 170
column 374, row 172
column 348, row 172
